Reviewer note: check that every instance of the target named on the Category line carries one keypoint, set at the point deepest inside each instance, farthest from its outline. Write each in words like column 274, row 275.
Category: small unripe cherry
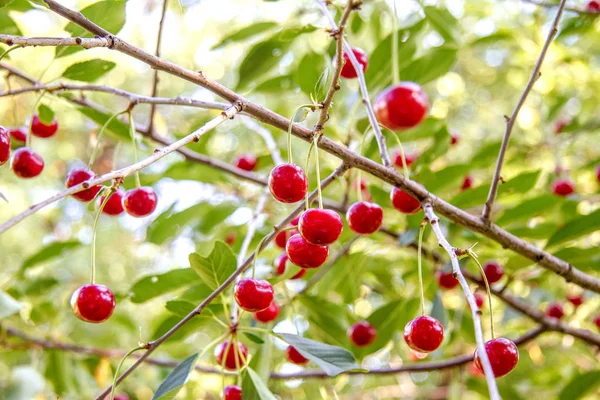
column 280, row 264
column 234, row 358
column 26, row 163
column 268, row 314
column 348, row 70
column 563, row 187
column 18, row 134
column 253, row 294
column 404, row 202
column 410, row 159
column 288, row 183
column 446, row 279
column 364, row 217
column 555, row 311
column 79, row 175
column 304, row 254
column 140, row 202
column 93, row 303
column 247, row 162
column 493, row 271
column 362, row 333
column 232, row 392
column 4, row 146
column 503, row 355
column 401, row 106
column 575, row 299
column 424, row 334
column 39, row 129
column 294, row 356
column 320, row 226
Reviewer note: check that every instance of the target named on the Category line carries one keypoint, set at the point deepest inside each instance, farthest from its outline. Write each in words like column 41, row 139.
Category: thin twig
column 579, row 10
column 155, row 77
column 24, row 41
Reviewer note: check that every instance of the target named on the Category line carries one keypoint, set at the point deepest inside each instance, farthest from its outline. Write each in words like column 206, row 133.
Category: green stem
column 402, row 154
column 99, row 138
column 95, row 229
column 259, row 330
column 316, row 143
column 135, row 157
column 419, row 257
column 310, row 147
column 395, row 67
column 114, row 384
column 13, row 101
column 362, row 145
column 9, row 50
column 291, row 125
column 487, row 288
column 37, row 102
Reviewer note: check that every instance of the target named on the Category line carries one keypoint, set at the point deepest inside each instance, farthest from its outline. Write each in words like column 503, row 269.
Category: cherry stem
column 419, row 257
column 37, row 102
column 115, row 383
column 9, row 50
column 13, row 100
column 362, row 145
column 135, row 157
column 291, row 125
column 95, row 229
column 404, row 166
column 316, row 143
column 307, row 206
column 395, row 67
column 99, row 138
column 473, row 256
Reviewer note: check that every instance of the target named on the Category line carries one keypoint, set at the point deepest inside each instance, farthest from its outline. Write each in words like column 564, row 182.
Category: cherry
column 253, row 294
column 410, row 159
column 19, row 134
column 424, row 334
column 295, row 221
column 454, row 138
column 294, row 356
column 348, row 70
column 593, row 6
column 247, row 162
column 234, row 357
column 404, row 202
column 493, row 272
column 280, row 263
column 140, row 202
column 4, row 146
column 555, row 310
column 563, row 187
column 26, row 163
column 288, row 183
column 232, row 392
column 597, row 321
column 230, row 238
column 319, row 226
column 119, row 397
column 364, row 217
column 401, row 106
column 362, row 183
column 446, row 279
column 282, row 237
column 598, row 173
column 575, row 299
column 478, row 299
column 467, row 183
column 362, row 333
column 559, row 126
column 39, row 129
column 268, row 314
column 79, row 175
column 114, row 205
column 304, row 254
column 503, row 355
column 93, row 303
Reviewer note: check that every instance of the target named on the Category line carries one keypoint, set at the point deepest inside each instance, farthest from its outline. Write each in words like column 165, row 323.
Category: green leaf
column 577, row 227
column 439, row 147
column 580, row 385
column 390, row 318
column 46, row 114
column 527, row 209
column 8, row 305
column 152, row 286
column 435, row 63
column 4, row 3
column 254, row 338
column 118, row 128
column 88, row 71
column 59, row 371
column 276, row 85
column 16, row 5
column 245, row 33
column 8, row 26
column 443, row 22
column 309, row 71
column 216, row 267
column 438, row 311
column 332, row 359
column 53, row 250
column 587, row 260
column 172, row 384
column 328, row 320
column 255, row 388
column 180, row 307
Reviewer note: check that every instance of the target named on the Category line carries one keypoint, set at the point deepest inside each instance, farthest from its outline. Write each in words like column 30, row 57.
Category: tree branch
column 24, row 41
column 552, row 5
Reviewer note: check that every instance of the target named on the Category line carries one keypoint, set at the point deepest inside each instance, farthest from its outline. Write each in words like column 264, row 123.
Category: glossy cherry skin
column 232, row 392
column 593, row 6
column 575, row 299
column 120, row 397
column 454, row 138
column 114, row 205
column 4, row 146
column 348, row 70
column 233, row 358
column 563, row 187
column 503, row 355
column 93, row 303
column 424, row 334
column 404, row 202
column 362, row 333
column 320, row 226
column 78, row 175
column 304, row 254
column 597, row 321
column 39, row 129
column 467, row 183
column 288, row 183
column 268, row 314
column 555, row 310
column 283, row 236
column 26, row 163
column 295, row 221
column 281, row 265
column 402, row 106
column 294, row 356
column 140, row 202
column 364, row 217
column 19, row 134
column 247, row 162
column 253, row 294
column 493, row 272
column 446, row 279
column 410, row 159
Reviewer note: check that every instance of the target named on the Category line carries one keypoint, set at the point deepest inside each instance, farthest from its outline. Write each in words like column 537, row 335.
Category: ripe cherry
column 93, row 303
column 319, row 226
column 563, row 187
column 503, row 355
column 79, row 175
column 19, row 134
column 304, row 254
column 119, row 397
column 598, row 173
column 288, row 183
column 575, row 299
column 4, row 146
column 114, row 205
column 268, row 314
column 294, row 356
column 401, row 106
column 26, row 163
column 295, row 221
column 234, row 357
column 597, row 321
column 253, row 294
column 348, row 70
column 454, row 138
column 410, row 159
column 364, row 217
column 280, row 264
column 555, row 310
column 493, row 272
column 39, row 129
column 446, row 279
column 362, row 333
column 404, row 202
column 232, row 392
column 247, row 162
column 283, row 236
column 478, row 299
column 140, row 202
column 467, row 183
column 593, row 6
column 424, row 334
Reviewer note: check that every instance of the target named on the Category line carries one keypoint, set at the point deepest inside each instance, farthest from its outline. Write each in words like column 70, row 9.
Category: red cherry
column 304, row 254
column 493, row 272
column 503, row 355
column 364, row 217
column 247, row 162
column 559, row 126
column 26, row 163
column 597, row 321
column 140, row 202
column 563, row 187
column 348, row 70
column 268, row 314
column 283, row 236
column 362, row 183
column 19, row 134
column 404, row 202
column 234, row 357
column 253, row 294
column 446, row 279
column 93, row 303
column 39, row 129
column 593, row 6
column 119, row 397
column 79, row 175
column 478, row 299
column 295, row 221
column 114, row 205
column 280, row 263
column 362, row 333
column 454, row 138
column 232, row 392
column 4, row 146
column 401, row 106
column 288, row 183
column 424, row 334
column 467, row 183
column 410, row 159
column 319, row 226
column 598, row 173
column 575, row 299
column 555, row 310
column 230, row 238
column 294, row 356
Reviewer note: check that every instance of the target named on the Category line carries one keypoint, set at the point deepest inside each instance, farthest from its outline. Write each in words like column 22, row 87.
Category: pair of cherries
column 492, row 270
